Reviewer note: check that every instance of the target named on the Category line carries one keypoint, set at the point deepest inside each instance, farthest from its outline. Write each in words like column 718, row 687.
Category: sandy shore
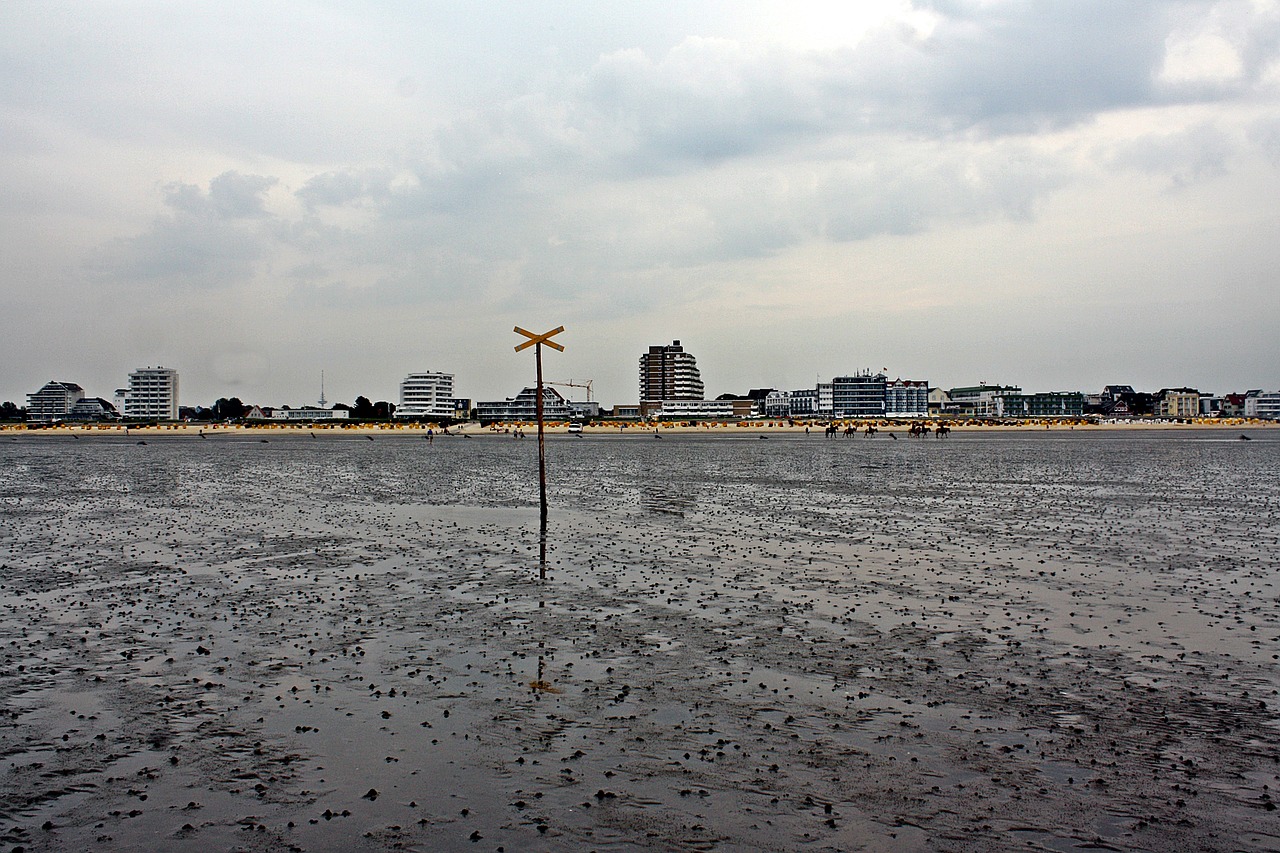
column 627, row 428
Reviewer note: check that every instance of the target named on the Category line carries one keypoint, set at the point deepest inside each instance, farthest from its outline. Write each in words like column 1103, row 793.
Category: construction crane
column 571, row 384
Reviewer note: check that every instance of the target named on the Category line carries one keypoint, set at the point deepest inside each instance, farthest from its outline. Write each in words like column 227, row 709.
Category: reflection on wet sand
column 988, row 643
column 668, row 499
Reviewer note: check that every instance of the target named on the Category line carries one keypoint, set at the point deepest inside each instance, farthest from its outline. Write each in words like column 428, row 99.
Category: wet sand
column 994, row 642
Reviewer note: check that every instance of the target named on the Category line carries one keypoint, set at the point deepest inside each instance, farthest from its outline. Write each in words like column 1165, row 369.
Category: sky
column 1058, row 195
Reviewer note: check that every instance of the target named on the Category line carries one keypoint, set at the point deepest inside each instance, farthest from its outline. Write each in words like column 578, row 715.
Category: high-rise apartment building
column 426, row 395
column 54, row 401
column 670, row 373
column 152, row 394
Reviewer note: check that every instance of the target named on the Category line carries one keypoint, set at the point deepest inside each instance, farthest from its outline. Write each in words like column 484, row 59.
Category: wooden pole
column 536, row 341
column 542, row 474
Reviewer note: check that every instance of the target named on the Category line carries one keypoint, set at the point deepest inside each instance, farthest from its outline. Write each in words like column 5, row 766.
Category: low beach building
column 92, row 409
column 304, row 414
column 523, row 407
column 1210, row 406
column 938, row 401
column 978, row 400
column 1042, row 404
column 690, row 410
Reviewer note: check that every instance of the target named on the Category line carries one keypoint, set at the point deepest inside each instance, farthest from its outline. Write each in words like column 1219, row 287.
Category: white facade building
column 152, row 394
column 306, row 413
column 826, row 398
column 524, row 407
column 92, row 409
column 1262, row 405
column 803, row 403
column 426, row 395
column 777, row 404
column 54, row 401
column 682, row 409
column 906, row 398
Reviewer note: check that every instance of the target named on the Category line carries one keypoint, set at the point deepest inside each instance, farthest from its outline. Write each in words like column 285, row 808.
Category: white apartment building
column 54, row 401
column 426, row 395
column 803, row 403
column 1259, row 404
column 152, row 394
column 777, row 404
column 826, row 398
column 906, row 398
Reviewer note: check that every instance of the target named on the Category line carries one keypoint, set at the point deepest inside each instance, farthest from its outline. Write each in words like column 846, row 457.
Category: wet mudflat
column 989, row 642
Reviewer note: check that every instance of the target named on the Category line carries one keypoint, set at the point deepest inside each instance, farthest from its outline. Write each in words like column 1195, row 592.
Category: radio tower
column 323, row 401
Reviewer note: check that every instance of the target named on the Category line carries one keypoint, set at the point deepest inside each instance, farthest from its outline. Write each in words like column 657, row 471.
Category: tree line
column 233, row 408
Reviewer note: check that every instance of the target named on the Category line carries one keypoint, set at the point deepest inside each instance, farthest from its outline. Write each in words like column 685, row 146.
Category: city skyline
column 1061, row 195
column 432, row 386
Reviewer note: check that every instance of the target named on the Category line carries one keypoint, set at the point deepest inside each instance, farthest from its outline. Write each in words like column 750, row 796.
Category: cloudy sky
column 1059, row 194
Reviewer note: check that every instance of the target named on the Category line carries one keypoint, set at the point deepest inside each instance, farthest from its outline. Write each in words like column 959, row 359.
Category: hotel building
column 152, row 394
column 427, row 395
column 54, row 401
column 670, row 373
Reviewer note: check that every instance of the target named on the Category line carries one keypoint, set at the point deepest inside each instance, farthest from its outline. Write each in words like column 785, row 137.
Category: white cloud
column 315, row 165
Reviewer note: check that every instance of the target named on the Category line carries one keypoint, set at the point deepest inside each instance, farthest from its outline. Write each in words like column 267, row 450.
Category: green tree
column 225, row 410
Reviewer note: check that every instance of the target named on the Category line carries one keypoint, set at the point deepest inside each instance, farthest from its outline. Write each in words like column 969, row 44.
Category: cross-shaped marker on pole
column 544, row 338
column 536, row 341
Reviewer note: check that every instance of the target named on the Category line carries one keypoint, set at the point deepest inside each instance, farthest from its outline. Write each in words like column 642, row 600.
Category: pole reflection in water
column 541, row 684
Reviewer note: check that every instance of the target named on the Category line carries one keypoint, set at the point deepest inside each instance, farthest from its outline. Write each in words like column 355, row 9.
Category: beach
column 884, row 427
column 1009, row 639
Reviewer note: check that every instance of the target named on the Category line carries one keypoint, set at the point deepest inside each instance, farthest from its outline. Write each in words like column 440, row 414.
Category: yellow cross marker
column 544, row 338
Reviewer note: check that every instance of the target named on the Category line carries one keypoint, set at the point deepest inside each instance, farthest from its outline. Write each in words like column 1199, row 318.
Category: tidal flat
column 987, row 642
